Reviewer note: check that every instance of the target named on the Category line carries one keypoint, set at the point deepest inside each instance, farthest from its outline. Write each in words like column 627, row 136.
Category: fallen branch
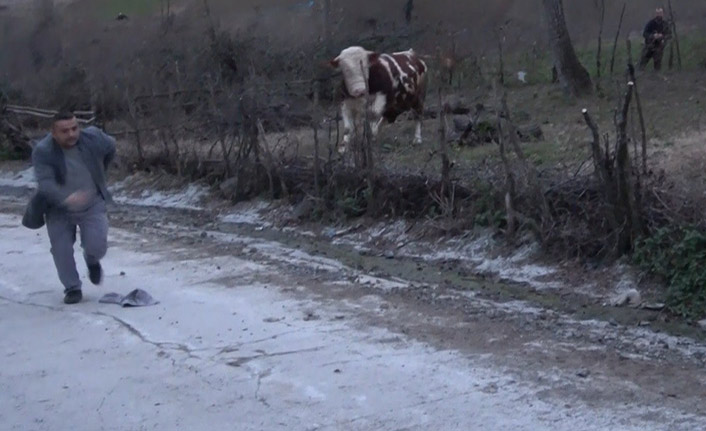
column 47, row 113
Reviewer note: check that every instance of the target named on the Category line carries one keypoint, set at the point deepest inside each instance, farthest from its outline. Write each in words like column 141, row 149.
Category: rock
column 583, row 373
column 229, row 187
column 310, row 315
column 702, row 324
column 461, row 122
column 530, row 133
column 456, row 105
column 303, row 209
column 483, row 131
column 520, row 116
column 452, row 104
column 630, row 297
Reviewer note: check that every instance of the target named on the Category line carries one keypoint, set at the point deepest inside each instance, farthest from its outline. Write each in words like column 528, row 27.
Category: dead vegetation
column 251, row 116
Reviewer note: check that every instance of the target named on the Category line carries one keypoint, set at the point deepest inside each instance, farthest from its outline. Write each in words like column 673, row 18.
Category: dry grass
column 684, row 161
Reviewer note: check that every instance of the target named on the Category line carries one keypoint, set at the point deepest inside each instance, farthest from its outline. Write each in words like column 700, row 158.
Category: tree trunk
column 572, row 75
column 327, row 26
column 600, row 44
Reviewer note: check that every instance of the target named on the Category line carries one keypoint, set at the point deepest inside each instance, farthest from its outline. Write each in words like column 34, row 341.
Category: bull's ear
column 373, row 56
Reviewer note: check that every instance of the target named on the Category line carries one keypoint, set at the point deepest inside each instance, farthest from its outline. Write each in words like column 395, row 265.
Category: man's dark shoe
column 95, row 273
column 73, row 296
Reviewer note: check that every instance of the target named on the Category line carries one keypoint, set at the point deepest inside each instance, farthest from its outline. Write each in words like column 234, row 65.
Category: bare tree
column 618, row 180
column 408, row 8
column 617, row 35
column 572, row 74
column 327, row 26
column 600, row 45
column 673, row 24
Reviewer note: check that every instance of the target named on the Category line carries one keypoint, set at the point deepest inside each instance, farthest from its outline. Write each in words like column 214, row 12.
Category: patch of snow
column 645, row 339
column 251, row 213
column 23, row 178
column 383, row 284
column 629, row 297
column 514, row 307
column 388, row 229
column 517, row 267
column 473, row 250
column 299, row 231
column 189, row 197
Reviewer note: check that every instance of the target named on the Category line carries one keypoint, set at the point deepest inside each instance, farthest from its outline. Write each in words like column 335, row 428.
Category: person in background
column 656, row 33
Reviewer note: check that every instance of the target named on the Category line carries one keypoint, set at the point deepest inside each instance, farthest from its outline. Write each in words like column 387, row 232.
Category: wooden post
column 602, row 171
column 133, row 121
column 510, row 187
column 533, row 178
column 628, row 213
column 641, row 117
column 501, row 72
column 443, row 148
column 367, row 145
column 599, row 165
column 315, row 126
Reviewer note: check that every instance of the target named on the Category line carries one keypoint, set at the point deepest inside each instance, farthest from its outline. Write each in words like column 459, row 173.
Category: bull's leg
column 348, row 125
column 375, row 124
column 418, row 113
column 376, row 111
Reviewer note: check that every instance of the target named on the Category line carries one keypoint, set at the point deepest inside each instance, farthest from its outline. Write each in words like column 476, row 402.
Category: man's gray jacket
column 97, row 150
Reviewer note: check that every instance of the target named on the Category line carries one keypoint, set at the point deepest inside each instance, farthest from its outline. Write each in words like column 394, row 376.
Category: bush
column 678, row 255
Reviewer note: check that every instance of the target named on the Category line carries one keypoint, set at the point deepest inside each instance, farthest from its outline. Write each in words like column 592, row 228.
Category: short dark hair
column 62, row 115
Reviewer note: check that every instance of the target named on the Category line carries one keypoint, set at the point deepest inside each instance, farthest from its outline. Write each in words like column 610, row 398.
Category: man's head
column 64, row 129
column 659, row 13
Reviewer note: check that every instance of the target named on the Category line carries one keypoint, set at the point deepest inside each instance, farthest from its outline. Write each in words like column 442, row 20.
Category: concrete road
column 240, row 343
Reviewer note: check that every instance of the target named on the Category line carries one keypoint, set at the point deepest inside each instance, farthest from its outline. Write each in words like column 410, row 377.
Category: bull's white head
column 354, row 63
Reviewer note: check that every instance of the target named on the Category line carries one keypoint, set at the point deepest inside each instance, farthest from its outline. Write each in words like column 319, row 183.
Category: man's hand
column 658, row 36
column 77, row 199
